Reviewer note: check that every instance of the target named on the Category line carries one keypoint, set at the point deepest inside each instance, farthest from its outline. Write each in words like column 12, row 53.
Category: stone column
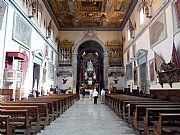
column 106, row 70
column 74, row 66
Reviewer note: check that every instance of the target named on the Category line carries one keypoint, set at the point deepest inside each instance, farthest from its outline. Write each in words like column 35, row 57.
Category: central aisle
column 86, row 118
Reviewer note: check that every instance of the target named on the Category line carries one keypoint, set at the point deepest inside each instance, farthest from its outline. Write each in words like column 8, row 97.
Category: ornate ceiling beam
column 51, row 13
column 130, row 10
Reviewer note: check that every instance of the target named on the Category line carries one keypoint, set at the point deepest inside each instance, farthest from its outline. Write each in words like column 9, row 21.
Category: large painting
column 157, row 31
column 50, row 71
column 152, row 71
column 136, row 76
column 2, row 12
column 21, row 31
column 129, row 71
column 177, row 12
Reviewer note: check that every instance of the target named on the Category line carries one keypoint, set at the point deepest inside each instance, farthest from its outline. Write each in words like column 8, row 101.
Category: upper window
column 129, row 35
column 141, row 14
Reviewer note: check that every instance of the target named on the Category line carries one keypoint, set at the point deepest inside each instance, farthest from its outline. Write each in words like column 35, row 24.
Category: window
column 141, row 14
column 129, row 35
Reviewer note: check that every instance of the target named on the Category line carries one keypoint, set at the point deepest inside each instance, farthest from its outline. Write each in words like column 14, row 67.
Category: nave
column 86, row 118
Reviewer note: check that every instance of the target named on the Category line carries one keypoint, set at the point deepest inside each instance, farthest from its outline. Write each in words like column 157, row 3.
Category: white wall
column 2, row 42
column 163, row 48
column 38, row 42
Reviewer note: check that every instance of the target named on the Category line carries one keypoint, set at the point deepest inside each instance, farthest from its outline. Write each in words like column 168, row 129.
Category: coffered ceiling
column 97, row 14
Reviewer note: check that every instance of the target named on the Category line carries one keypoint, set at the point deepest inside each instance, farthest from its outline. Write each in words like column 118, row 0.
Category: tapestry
column 177, row 12
column 136, row 76
column 129, row 71
column 157, row 31
column 152, row 71
column 21, row 31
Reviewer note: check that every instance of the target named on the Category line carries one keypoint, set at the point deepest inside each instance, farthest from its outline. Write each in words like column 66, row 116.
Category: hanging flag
column 158, row 62
column 174, row 57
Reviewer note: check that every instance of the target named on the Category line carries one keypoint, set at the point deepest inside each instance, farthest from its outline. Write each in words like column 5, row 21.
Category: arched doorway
column 91, row 45
column 90, row 66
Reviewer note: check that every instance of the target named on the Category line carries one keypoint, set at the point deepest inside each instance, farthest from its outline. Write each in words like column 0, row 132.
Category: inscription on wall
column 21, row 31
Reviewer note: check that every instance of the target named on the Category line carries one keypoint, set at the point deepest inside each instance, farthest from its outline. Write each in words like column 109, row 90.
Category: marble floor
column 86, row 118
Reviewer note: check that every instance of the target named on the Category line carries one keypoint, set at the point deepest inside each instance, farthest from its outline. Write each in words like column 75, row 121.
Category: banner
column 174, row 57
column 158, row 62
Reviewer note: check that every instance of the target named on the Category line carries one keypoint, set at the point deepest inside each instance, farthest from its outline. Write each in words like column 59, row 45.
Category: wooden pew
column 168, row 124
column 33, row 114
column 152, row 116
column 19, row 119
column 140, row 112
column 116, row 102
column 42, row 108
column 126, row 104
column 5, row 127
column 132, row 107
column 49, row 105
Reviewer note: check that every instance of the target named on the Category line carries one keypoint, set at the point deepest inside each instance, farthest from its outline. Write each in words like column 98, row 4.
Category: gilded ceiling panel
column 90, row 13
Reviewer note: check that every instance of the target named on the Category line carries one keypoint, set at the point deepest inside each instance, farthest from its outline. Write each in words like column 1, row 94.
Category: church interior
column 128, row 51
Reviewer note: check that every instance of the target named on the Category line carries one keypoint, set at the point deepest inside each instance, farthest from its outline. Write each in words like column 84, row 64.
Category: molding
column 146, row 26
column 25, row 17
column 130, row 10
column 87, row 28
column 51, row 13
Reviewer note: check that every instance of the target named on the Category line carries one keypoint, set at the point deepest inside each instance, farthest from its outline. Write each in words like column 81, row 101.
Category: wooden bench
column 168, row 124
column 42, row 109
column 33, row 114
column 19, row 119
column 152, row 116
column 5, row 127
column 131, row 107
column 140, row 112
column 126, row 104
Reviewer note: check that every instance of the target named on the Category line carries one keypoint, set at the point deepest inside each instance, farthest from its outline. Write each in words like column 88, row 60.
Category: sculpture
column 90, row 66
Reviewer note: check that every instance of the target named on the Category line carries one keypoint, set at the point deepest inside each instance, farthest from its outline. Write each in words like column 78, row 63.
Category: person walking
column 95, row 96
column 83, row 94
column 90, row 94
column 102, row 95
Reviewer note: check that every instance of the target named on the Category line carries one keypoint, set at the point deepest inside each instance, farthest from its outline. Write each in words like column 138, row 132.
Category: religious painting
column 177, row 12
column 157, row 31
column 135, row 76
column 21, row 31
column 50, row 71
column 2, row 12
column 129, row 71
column 152, row 71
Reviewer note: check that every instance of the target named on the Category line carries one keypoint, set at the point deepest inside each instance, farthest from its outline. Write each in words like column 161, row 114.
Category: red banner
column 175, row 57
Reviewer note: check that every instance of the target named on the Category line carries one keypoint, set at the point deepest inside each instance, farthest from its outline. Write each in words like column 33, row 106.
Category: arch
column 75, row 54
column 75, row 49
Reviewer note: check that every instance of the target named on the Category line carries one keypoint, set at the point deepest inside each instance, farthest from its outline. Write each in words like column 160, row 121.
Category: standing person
column 102, row 95
column 90, row 94
column 95, row 95
column 83, row 93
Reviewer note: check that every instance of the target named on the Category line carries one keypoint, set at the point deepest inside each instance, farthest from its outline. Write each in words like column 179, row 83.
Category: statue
column 89, row 66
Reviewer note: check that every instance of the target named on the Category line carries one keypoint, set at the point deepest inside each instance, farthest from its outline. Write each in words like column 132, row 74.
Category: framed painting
column 129, row 71
column 176, row 13
column 21, row 31
column 3, row 6
column 157, row 31
column 152, row 71
column 50, row 71
column 135, row 76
